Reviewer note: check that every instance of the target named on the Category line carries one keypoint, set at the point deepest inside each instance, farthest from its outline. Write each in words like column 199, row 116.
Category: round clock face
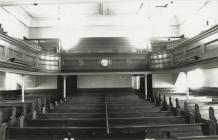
column 105, row 62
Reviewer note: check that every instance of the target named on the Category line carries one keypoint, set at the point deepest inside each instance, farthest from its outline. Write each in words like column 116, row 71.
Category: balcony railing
column 17, row 54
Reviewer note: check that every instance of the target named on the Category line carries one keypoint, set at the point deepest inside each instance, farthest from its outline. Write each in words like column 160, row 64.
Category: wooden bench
column 106, row 115
column 52, row 133
column 147, row 120
column 158, row 131
column 72, row 122
column 139, row 114
column 8, row 114
column 77, row 110
column 191, row 110
column 79, row 105
column 22, row 108
column 70, row 115
column 212, row 137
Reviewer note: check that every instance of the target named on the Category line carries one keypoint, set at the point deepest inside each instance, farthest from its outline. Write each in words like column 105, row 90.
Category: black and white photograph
column 108, row 69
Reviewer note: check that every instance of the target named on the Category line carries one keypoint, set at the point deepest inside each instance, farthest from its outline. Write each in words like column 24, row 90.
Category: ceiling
column 105, row 18
column 40, row 13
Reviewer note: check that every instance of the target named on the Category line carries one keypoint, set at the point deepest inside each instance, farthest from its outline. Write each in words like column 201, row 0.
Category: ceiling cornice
column 45, row 2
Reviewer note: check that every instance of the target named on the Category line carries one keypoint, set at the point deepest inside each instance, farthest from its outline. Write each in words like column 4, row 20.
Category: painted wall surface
column 105, row 81
column 103, row 31
column 46, row 82
column 210, row 77
column 13, row 26
column 2, row 79
column 204, row 18
column 163, row 80
column 9, row 81
column 198, row 78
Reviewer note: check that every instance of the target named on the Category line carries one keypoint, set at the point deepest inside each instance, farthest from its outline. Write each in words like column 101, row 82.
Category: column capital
column 65, row 76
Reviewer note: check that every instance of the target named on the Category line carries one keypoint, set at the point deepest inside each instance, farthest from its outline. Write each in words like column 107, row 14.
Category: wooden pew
column 137, row 124
column 12, row 111
column 194, row 112
column 64, row 105
column 22, row 108
column 72, row 122
column 77, row 110
column 8, row 114
column 83, row 102
column 52, row 133
column 140, row 114
column 70, row 115
column 141, row 118
column 212, row 137
column 132, row 121
column 80, row 121
column 157, row 131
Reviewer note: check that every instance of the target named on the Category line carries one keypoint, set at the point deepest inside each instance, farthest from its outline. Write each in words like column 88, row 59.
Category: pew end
column 3, row 131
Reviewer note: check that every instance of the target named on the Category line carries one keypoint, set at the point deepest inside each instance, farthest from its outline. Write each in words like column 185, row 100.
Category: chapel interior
column 108, row 70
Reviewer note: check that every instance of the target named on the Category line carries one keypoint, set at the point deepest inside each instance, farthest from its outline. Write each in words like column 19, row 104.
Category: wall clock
column 105, row 62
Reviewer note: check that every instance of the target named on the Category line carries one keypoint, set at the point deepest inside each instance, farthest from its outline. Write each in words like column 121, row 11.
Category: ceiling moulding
column 37, row 2
column 123, row 20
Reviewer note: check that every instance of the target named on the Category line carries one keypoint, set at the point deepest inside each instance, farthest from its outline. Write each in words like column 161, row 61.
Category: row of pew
column 197, row 108
column 113, row 115
column 14, row 113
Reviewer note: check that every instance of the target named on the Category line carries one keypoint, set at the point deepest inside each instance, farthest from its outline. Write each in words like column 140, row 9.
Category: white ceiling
column 38, row 13
column 44, row 11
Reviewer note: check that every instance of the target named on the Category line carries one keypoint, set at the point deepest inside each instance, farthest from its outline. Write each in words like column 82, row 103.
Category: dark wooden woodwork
column 133, row 121
column 142, row 86
column 150, row 87
column 69, row 115
column 170, row 108
column 155, row 131
column 83, row 115
column 197, row 114
column 102, row 45
column 164, row 103
column 178, row 108
column 60, row 86
column 213, row 125
column 71, row 85
column 212, row 137
column 188, row 114
column 77, row 122
column 140, row 114
column 92, row 62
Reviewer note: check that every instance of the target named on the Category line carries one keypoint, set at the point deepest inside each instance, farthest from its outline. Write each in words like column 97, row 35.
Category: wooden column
column 187, row 86
column 64, row 87
column 22, row 89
